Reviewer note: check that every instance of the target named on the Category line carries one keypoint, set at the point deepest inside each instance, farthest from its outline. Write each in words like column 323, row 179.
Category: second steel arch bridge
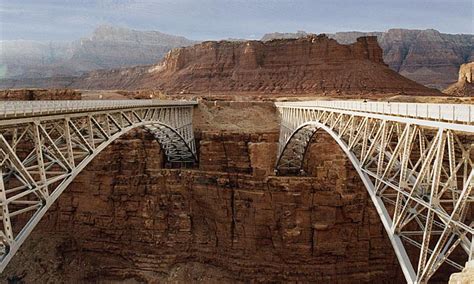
column 416, row 162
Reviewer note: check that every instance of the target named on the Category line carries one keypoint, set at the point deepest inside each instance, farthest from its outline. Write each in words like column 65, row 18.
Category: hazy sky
column 218, row 19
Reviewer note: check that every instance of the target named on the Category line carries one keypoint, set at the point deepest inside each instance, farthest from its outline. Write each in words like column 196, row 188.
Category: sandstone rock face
column 464, row 85
column 313, row 64
column 428, row 57
column 111, row 79
column 126, row 219
column 464, row 277
column 39, row 94
column 466, row 73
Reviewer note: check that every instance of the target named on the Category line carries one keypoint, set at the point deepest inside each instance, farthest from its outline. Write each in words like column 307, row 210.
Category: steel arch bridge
column 45, row 144
column 416, row 161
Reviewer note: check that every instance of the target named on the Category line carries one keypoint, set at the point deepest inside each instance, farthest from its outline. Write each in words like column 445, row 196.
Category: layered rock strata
column 427, row 56
column 313, row 64
column 39, row 94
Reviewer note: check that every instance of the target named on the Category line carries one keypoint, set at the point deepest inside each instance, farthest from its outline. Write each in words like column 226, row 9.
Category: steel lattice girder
column 41, row 152
column 419, row 174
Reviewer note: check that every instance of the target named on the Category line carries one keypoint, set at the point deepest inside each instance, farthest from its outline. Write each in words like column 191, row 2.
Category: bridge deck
column 15, row 109
column 461, row 113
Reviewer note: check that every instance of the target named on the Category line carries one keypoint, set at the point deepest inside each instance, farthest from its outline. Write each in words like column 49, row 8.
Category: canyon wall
column 39, row 94
column 426, row 56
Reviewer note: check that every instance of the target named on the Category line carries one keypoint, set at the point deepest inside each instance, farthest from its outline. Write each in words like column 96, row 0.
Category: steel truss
column 418, row 173
column 43, row 150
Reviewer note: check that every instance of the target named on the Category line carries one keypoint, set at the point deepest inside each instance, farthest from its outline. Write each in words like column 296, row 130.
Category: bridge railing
column 26, row 108
column 448, row 112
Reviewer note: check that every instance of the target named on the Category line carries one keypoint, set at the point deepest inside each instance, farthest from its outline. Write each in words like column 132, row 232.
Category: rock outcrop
column 466, row 73
column 313, row 64
column 39, row 94
column 464, row 277
column 465, row 84
column 428, row 57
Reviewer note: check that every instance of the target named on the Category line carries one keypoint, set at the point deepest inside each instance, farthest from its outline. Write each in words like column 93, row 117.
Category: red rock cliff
column 251, row 55
column 313, row 64
column 39, row 94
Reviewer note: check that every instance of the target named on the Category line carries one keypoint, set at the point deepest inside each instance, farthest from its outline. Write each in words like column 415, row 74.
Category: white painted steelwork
column 463, row 113
column 416, row 161
column 28, row 108
column 44, row 146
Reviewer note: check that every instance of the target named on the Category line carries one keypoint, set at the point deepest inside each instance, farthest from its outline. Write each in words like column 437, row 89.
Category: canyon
column 129, row 218
column 125, row 218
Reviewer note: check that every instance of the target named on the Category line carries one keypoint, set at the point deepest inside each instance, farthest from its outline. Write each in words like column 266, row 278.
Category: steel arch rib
column 287, row 143
column 192, row 152
column 398, row 247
